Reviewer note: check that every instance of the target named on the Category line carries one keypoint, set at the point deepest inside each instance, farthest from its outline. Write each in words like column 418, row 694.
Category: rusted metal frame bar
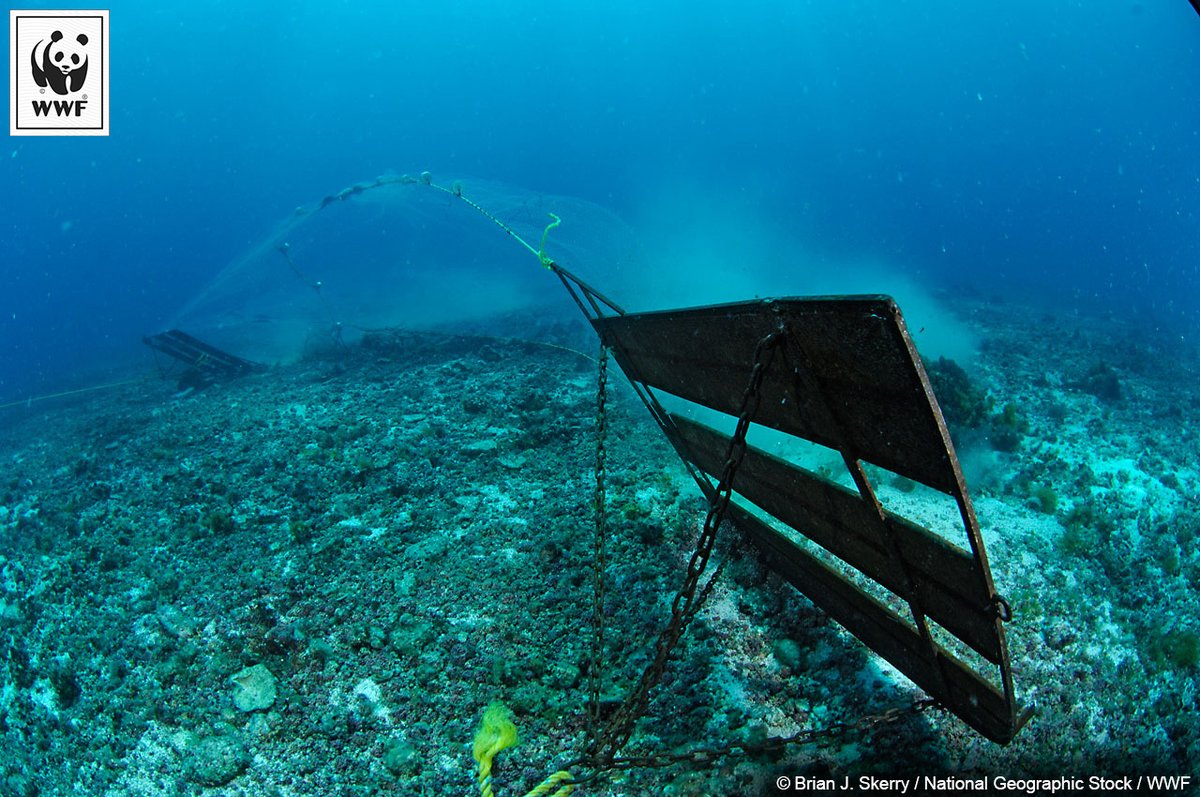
column 668, row 427
column 879, row 519
column 1003, row 612
column 595, row 299
column 966, row 511
column 958, row 489
column 667, row 424
column 867, row 493
column 163, row 371
column 593, row 310
column 1001, row 608
column 675, row 438
column 595, row 302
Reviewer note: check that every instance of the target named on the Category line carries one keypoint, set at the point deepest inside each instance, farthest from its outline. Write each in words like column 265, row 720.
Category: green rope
column 542, row 257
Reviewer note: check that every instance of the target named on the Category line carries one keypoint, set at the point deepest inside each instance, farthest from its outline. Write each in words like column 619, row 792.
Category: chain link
column 686, row 604
column 706, row 756
column 599, row 563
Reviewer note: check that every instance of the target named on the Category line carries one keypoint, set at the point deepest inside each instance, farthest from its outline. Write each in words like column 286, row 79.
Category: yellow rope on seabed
column 29, row 401
column 497, row 731
column 549, row 783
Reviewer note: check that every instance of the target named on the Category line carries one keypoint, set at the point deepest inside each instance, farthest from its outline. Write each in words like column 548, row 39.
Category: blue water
column 1038, row 149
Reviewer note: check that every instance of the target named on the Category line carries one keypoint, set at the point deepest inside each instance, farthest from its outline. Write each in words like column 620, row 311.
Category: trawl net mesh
column 400, row 252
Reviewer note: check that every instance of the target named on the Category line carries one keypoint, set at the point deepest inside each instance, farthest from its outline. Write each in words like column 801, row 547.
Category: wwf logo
column 58, row 83
column 61, row 63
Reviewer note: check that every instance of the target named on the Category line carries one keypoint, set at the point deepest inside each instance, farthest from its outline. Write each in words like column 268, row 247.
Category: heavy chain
column 598, row 560
column 603, row 749
column 707, row 756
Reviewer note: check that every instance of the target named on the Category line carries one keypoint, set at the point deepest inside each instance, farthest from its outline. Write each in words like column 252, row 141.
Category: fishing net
column 406, row 252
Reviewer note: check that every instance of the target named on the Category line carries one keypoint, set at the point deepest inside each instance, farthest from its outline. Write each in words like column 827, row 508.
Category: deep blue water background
column 1036, row 150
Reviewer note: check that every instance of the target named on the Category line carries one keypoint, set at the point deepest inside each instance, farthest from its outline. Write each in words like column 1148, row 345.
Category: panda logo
column 63, row 64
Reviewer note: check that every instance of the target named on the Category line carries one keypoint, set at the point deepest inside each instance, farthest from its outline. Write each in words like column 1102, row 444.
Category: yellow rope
column 497, row 731
column 549, row 783
column 32, row 399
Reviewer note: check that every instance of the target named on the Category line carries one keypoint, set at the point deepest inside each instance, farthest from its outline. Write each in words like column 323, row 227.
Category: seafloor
column 312, row 581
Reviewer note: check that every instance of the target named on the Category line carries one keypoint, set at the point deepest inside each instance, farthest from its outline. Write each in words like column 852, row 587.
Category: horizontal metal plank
column 948, row 581
column 845, row 377
column 940, row 674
